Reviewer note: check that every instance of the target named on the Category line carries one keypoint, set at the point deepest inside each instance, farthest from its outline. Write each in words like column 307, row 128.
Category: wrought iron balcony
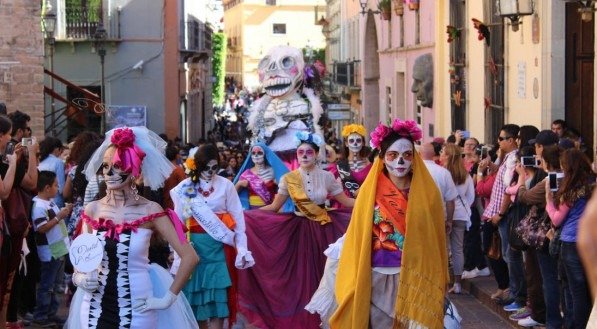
column 81, row 22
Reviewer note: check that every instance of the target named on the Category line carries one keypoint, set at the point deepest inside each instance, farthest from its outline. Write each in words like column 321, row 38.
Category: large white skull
column 281, row 71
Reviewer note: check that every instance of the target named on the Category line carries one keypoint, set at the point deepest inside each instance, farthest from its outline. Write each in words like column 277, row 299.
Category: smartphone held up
column 554, row 180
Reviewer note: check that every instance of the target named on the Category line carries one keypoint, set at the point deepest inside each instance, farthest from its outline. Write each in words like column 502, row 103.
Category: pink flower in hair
column 128, row 155
column 123, row 137
column 407, row 129
column 378, row 135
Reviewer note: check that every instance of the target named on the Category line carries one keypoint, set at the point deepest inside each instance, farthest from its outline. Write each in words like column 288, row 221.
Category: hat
column 439, row 140
column 566, row 143
column 545, row 137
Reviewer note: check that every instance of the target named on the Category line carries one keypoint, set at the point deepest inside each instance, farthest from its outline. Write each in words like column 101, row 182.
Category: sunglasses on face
column 301, row 153
column 256, row 153
column 212, row 167
column 500, row 138
column 354, row 140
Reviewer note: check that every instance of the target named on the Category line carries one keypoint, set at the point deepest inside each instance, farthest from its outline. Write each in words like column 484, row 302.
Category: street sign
column 339, row 115
column 338, row 107
column 129, row 116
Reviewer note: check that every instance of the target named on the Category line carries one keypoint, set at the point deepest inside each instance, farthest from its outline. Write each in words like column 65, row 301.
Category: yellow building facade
column 540, row 73
column 254, row 26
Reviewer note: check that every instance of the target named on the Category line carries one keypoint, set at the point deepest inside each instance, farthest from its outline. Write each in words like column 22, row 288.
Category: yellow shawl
column 424, row 272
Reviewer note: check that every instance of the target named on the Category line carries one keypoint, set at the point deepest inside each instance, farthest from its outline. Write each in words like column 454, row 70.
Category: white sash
column 211, row 223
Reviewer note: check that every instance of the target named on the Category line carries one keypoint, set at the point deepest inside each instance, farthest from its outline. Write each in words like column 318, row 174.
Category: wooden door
column 580, row 53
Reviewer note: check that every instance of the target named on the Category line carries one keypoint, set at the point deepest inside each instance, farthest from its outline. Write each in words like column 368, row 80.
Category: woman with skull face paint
column 393, row 270
column 126, row 291
column 288, row 247
column 355, row 166
column 257, row 180
column 214, row 216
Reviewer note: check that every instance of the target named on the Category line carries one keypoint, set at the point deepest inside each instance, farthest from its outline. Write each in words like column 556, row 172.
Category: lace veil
column 155, row 168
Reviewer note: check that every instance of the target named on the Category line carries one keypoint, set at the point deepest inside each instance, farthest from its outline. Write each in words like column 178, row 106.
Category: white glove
column 86, row 281
column 152, row 303
column 244, row 259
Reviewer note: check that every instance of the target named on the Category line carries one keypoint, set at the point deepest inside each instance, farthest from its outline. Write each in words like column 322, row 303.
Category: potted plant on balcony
column 398, row 7
column 385, row 8
column 413, row 4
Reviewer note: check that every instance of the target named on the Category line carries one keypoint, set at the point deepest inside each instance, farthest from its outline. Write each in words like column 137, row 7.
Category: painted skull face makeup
column 355, row 143
column 398, row 158
column 114, row 177
column 257, row 155
column 306, row 155
column 210, row 170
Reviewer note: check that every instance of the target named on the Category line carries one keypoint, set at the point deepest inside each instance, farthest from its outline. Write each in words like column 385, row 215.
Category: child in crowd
column 52, row 245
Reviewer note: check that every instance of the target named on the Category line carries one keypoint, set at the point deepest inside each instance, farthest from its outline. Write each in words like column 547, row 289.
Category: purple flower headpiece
column 407, row 129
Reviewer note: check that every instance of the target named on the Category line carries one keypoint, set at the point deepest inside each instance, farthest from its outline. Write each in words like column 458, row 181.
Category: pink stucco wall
column 394, row 59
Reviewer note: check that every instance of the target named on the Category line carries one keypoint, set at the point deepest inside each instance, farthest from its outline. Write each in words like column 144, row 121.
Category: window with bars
column 457, row 69
column 494, row 74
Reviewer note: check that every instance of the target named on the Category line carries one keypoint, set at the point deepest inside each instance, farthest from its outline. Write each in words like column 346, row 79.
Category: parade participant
column 126, row 291
column 355, row 166
column 290, row 103
column 257, row 180
column 214, row 217
column 288, row 247
column 393, row 267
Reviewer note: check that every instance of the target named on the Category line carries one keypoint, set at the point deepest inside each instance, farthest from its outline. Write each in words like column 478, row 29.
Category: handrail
column 86, row 92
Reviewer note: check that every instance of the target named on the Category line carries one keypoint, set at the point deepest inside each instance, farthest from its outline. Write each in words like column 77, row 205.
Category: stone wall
column 21, row 60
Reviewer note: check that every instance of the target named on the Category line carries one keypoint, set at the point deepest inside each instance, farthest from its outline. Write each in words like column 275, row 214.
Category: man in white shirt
column 443, row 180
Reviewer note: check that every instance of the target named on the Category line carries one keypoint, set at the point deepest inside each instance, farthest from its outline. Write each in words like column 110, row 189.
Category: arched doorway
column 370, row 64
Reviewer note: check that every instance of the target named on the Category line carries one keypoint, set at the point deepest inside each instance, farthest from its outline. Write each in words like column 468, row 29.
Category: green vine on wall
column 219, row 67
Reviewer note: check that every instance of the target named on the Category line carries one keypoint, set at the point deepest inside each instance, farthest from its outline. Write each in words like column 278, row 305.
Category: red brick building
column 21, row 60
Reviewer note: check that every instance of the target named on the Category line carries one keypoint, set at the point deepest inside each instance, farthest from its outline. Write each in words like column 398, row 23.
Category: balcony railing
column 348, row 74
column 81, row 22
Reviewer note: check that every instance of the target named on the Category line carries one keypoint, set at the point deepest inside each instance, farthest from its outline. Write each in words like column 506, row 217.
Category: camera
column 466, row 134
column 482, row 151
column 26, row 141
column 529, row 161
column 554, row 180
column 10, row 148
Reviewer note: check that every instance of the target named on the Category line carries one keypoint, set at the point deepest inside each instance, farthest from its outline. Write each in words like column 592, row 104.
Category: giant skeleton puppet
column 288, row 105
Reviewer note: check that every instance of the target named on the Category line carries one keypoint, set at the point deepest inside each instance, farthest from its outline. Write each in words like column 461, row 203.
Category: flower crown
column 354, row 128
column 306, row 137
column 406, row 129
column 128, row 155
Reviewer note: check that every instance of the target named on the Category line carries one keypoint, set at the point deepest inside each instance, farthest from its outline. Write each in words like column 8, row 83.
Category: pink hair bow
column 128, row 155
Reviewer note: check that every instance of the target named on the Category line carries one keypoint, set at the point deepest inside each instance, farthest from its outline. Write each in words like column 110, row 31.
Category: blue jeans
column 47, row 305
column 578, row 298
column 513, row 259
column 551, row 289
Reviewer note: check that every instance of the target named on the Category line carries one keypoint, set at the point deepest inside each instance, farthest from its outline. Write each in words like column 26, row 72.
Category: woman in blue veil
column 258, row 187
